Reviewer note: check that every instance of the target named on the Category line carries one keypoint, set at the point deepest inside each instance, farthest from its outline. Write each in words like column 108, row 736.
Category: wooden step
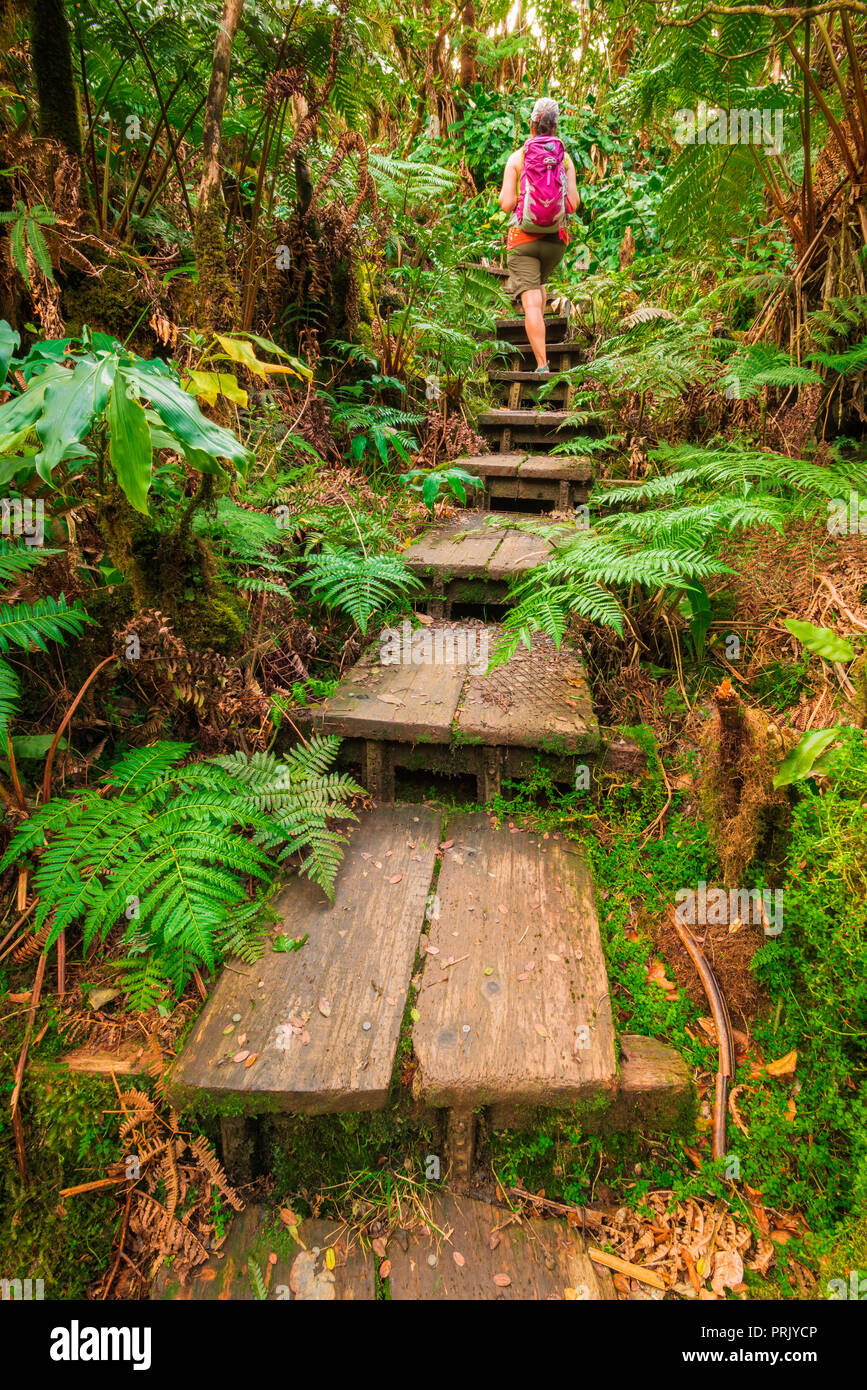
column 502, row 1257
column 527, row 378
column 445, row 715
column 655, row 1092
column 523, row 350
column 511, row 388
column 548, row 419
column 515, row 330
column 534, row 378
column 358, row 958
column 510, row 1008
column 560, row 481
column 571, row 467
column 298, row 1271
column 478, row 547
column 535, row 430
column 524, row 1014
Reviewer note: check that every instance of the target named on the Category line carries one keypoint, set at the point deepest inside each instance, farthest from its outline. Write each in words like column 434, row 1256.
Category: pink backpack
column 542, row 185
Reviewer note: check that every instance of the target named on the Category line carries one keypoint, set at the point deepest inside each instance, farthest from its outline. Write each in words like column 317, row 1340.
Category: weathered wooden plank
column 541, row 1260
column 461, row 548
column 475, row 547
column 518, row 550
column 655, row 1092
column 401, row 701
column 532, row 378
column 573, row 468
column 550, row 419
column 299, row 1272
column 127, row 1059
column 539, row 699
column 514, row 1002
column 491, row 465
column 344, row 991
column 516, row 328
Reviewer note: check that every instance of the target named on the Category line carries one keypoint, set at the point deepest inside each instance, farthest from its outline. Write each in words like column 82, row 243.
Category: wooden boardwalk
column 495, row 937
column 458, row 978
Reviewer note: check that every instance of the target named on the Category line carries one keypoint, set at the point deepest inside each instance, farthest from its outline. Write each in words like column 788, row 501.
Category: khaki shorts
column 532, row 264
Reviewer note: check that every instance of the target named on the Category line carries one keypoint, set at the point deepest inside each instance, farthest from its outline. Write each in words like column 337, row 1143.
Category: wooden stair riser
column 514, row 330
column 557, row 494
column 561, row 357
column 446, row 594
column 516, row 395
column 487, row 766
column 531, row 439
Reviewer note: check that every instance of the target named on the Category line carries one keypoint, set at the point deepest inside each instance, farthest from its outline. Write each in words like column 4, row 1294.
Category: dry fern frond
column 170, row 1235
column 32, row 945
column 209, row 1161
column 169, row 1169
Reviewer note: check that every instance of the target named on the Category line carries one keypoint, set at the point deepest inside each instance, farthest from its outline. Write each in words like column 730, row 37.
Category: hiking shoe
column 541, row 371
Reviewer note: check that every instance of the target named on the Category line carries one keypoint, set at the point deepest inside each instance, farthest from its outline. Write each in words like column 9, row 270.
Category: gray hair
column 546, row 113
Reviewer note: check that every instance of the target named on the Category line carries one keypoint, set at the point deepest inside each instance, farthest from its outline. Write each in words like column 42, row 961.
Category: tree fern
column 762, row 364
column 728, row 468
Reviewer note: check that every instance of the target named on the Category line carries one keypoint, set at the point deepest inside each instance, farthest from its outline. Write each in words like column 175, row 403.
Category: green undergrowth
column 815, row 1159
column 71, row 1129
column 320, row 1163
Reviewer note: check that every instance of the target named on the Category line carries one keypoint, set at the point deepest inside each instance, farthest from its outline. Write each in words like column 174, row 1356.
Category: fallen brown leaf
column 783, row 1066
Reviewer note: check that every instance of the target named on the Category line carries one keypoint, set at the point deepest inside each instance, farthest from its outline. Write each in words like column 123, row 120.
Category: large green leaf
column 804, row 757
column 9, row 341
column 71, row 401
column 9, row 691
column 23, row 411
column 430, row 489
column 130, row 446
column 697, row 608
column 179, row 413
column 822, row 641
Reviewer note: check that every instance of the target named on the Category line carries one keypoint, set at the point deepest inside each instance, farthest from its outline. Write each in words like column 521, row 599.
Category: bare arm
column 571, row 186
column 509, row 190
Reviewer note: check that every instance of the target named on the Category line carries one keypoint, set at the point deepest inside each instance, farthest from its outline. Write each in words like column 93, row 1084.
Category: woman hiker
column 539, row 190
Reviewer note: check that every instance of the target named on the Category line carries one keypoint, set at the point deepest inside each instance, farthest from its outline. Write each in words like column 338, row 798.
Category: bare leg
column 533, row 302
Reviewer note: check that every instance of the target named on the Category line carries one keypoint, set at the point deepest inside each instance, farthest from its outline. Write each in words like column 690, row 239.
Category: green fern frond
column 358, row 585
column 35, row 624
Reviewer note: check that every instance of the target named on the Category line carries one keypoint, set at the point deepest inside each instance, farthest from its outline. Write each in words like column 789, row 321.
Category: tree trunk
column 217, row 296
column 468, row 46
column 51, row 53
